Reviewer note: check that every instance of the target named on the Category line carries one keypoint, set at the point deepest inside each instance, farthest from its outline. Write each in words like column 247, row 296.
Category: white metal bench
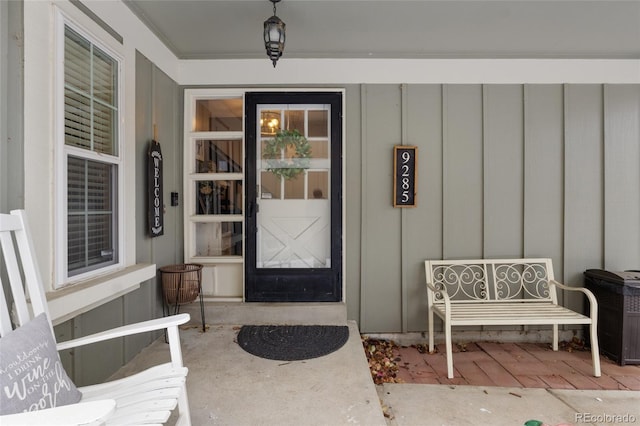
column 501, row 292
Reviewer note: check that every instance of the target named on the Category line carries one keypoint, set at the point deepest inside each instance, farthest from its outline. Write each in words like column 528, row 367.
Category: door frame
column 251, row 276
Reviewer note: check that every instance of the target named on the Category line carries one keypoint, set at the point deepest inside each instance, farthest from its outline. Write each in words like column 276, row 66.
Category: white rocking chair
column 148, row 397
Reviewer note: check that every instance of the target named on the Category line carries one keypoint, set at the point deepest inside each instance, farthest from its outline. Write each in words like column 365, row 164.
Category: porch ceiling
column 232, row 29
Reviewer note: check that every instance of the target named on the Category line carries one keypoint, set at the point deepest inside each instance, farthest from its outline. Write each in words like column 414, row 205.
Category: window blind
column 90, row 215
column 90, row 96
column 90, row 123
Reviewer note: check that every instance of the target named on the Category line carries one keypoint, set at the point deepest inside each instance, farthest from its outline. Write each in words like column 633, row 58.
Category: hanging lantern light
column 274, row 35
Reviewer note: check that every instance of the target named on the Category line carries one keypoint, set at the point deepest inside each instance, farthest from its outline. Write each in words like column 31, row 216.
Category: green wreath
column 287, row 168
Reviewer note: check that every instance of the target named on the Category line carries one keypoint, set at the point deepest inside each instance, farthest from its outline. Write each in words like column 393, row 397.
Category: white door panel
column 294, row 234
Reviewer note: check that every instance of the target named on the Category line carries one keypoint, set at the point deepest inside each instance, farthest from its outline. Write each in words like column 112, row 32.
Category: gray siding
column 543, row 168
column 94, row 363
column 462, row 171
column 381, row 237
column 4, row 37
column 353, row 189
column 583, row 188
column 157, row 103
column 504, row 171
column 503, row 165
column 621, row 176
column 11, row 107
column 420, row 237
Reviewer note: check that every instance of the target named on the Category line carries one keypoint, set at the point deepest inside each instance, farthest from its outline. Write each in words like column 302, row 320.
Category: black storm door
column 294, row 197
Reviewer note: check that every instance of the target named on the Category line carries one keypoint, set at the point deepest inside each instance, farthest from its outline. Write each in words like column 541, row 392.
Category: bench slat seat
column 510, row 313
column 494, row 292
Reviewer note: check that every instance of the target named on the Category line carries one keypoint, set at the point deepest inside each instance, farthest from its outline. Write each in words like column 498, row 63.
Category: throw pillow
column 31, row 373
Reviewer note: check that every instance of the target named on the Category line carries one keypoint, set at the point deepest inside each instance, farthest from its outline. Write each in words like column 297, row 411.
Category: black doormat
column 292, row 342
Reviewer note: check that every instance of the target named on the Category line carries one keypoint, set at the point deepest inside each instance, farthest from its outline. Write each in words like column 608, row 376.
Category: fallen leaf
column 382, row 359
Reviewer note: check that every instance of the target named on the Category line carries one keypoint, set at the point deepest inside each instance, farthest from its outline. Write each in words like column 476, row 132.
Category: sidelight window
column 215, row 189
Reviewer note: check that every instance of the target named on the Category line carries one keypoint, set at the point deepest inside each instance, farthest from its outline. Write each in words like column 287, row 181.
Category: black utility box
column 618, row 295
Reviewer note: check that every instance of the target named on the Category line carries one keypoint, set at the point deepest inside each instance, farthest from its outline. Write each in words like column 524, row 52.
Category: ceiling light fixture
column 274, row 34
column 269, row 123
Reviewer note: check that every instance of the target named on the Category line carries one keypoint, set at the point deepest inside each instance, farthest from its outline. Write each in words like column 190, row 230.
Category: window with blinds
column 91, row 150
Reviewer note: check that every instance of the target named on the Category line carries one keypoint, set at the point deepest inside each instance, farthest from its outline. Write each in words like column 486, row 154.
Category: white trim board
column 410, row 71
column 73, row 301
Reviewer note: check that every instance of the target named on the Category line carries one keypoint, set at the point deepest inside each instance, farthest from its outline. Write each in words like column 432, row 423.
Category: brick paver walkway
column 528, row 365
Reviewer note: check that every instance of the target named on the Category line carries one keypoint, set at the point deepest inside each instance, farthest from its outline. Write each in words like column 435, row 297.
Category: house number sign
column 155, row 203
column 404, row 175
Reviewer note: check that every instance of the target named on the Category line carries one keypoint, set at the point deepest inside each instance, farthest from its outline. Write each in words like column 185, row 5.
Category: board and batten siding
column 517, row 170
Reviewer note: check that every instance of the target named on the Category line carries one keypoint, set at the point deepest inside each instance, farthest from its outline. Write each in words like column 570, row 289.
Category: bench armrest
column 593, row 303
column 127, row 330
column 445, row 296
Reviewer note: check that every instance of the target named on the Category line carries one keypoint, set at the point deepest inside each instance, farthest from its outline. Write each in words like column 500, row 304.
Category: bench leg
column 555, row 337
column 431, row 337
column 447, row 338
column 595, row 350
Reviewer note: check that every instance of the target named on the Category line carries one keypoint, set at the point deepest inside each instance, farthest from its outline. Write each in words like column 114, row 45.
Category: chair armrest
column 127, row 330
column 82, row 413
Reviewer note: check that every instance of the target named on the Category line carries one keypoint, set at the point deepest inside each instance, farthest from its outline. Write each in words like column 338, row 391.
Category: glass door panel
column 294, row 205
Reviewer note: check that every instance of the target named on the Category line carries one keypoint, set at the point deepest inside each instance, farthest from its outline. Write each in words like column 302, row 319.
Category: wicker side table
column 182, row 284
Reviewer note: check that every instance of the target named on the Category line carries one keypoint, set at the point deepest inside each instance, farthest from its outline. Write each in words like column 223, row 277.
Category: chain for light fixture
column 274, row 35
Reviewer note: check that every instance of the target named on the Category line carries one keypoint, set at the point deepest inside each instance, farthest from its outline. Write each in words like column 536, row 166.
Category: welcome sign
column 156, row 203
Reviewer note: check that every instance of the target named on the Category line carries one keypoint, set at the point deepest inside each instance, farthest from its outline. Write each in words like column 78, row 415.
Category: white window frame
column 62, row 152
column 191, row 177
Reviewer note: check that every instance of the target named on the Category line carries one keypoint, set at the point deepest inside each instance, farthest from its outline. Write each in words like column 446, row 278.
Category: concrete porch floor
column 228, row 386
